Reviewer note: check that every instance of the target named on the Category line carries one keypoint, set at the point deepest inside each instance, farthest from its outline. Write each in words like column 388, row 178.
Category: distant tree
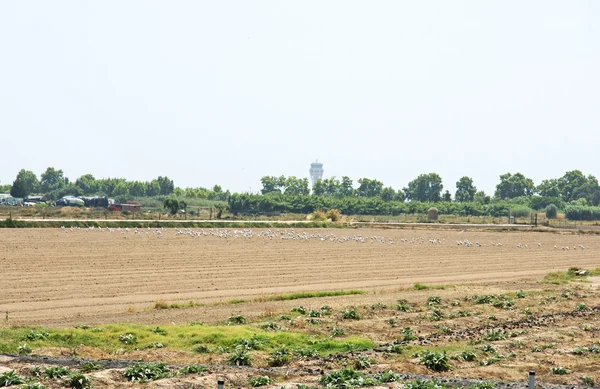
column 272, row 184
column 166, row 185
column 346, row 187
column 465, row 190
column 19, row 188
column 137, row 189
column 296, row 186
column 369, row 188
column 171, row 205
column 121, row 190
column 387, row 194
column 30, row 180
column 87, row 183
column 152, row 188
column 512, row 186
column 447, row 196
column 569, row 182
column 51, row 179
column 426, row 187
column 399, row 196
column 481, row 198
column 549, row 188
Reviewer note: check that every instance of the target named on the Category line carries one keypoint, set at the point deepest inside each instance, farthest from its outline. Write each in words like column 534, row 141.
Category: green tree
column 549, row 188
column 399, row 196
column 30, row 180
column 87, row 183
column 426, row 188
column 166, row 185
column 481, row 198
column 346, row 187
column 447, row 196
column 173, row 206
column 369, row 188
column 512, row 186
column 137, row 189
column 387, row 194
column 19, row 188
column 465, row 190
column 296, row 186
column 569, row 182
column 121, row 190
column 272, row 184
column 153, row 188
column 52, row 179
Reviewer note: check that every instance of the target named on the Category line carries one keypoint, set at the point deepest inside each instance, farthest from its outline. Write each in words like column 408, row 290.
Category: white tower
column 316, row 171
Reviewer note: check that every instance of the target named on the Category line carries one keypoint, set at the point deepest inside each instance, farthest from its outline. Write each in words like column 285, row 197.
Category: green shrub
column 10, row 378
column 336, row 331
column 350, row 313
column 89, row 366
column 236, row 319
column 280, row 357
column 240, row 357
column 259, row 381
column 145, row 372
column 521, row 211
column 56, row 372
column 192, row 369
column 128, row 339
column 77, row 380
column 551, row 211
column 435, row 361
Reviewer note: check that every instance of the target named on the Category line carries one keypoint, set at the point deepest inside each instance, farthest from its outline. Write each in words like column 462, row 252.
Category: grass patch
column 419, row 286
column 176, row 337
column 307, row 295
column 571, row 275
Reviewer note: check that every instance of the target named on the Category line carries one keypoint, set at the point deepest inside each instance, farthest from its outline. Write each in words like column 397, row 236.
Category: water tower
column 316, row 171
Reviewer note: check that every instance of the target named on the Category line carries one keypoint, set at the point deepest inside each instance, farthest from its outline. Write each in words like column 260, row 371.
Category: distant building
column 316, row 171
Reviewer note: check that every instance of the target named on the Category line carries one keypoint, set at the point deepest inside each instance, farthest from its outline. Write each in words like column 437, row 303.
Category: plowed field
column 54, row 276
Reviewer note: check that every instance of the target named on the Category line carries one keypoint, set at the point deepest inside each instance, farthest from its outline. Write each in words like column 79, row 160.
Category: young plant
column 259, row 381
column 560, row 370
column 350, row 314
column 240, row 357
column 435, row 361
column 236, row 319
column 336, row 331
column 363, row 362
column 280, row 357
column 10, row 378
column 128, row 339
column 145, row 372
column 77, row 380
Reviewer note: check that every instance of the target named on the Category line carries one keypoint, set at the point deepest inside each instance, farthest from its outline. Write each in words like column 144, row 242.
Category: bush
column 521, row 211
column 240, row 357
column 579, row 212
column 280, row 357
column 259, row 381
column 78, row 381
column 433, row 214
column 551, row 211
column 334, row 215
column 435, row 361
column 318, row 216
column 144, row 372
column 10, row 378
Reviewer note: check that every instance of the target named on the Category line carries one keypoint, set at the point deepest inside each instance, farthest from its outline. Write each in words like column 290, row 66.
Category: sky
column 225, row 92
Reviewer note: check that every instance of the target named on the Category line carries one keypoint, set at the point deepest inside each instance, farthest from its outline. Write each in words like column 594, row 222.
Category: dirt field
column 63, row 277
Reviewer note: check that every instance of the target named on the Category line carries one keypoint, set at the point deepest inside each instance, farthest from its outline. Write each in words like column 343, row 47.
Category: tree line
column 366, row 196
column 52, row 184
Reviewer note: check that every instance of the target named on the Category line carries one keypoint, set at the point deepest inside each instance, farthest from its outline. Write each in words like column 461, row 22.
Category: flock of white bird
column 292, row 234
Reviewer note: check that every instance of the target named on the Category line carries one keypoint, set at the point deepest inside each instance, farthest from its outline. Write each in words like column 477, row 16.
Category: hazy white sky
column 225, row 92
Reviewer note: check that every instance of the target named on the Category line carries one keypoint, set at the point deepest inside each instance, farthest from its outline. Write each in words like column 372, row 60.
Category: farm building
column 130, row 206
